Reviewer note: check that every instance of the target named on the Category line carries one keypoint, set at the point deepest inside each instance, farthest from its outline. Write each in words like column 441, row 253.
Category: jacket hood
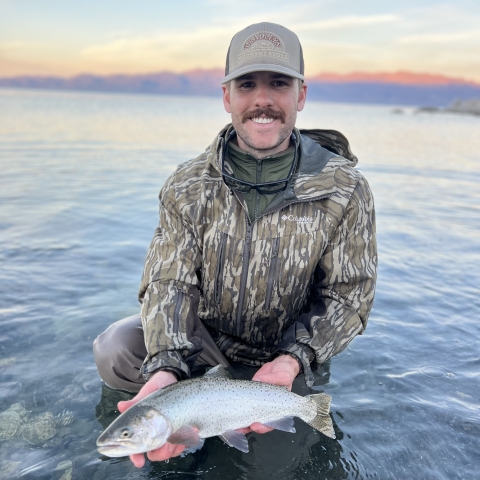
column 322, row 152
column 333, row 141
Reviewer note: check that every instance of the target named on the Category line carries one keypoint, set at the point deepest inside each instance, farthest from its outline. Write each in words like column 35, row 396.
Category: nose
column 263, row 96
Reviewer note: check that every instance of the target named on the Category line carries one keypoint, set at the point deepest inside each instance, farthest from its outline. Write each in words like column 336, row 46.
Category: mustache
column 267, row 112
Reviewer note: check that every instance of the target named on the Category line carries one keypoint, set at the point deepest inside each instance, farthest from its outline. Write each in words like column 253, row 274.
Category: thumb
column 262, row 372
column 125, row 405
column 158, row 381
column 146, row 390
column 264, row 377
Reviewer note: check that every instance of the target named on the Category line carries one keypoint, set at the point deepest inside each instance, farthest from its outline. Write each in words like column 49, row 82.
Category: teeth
column 262, row 120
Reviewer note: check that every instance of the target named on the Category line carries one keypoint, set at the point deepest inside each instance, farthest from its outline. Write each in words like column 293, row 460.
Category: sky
column 66, row 38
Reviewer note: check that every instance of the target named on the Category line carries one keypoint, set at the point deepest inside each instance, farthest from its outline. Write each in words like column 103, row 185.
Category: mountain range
column 398, row 88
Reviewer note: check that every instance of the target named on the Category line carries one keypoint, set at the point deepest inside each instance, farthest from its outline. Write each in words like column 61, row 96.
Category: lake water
column 78, row 206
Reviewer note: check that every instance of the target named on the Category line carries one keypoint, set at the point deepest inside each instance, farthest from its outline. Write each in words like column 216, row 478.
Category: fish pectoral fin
column 185, row 435
column 193, row 448
column 284, row 424
column 218, row 372
column 235, row 439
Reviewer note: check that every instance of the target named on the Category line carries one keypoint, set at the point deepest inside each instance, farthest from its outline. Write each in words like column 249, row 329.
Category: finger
column 178, row 450
column 138, row 459
column 259, row 377
column 160, row 454
column 278, row 378
column 244, row 430
column 265, row 377
column 146, row 390
column 125, row 405
column 260, row 428
column 260, row 372
column 169, row 450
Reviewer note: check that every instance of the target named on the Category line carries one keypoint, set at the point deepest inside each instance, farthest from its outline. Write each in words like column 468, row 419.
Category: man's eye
column 246, row 85
column 280, row 83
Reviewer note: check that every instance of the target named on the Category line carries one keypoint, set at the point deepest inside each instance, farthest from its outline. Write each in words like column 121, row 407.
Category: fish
column 189, row 411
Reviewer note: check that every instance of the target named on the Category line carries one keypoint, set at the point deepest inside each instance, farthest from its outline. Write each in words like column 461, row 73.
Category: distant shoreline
column 207, row 83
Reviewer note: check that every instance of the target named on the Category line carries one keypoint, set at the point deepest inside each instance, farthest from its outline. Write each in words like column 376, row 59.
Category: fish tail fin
column 322, row 421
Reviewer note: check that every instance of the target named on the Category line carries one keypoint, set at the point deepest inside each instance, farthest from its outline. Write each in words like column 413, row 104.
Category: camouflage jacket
column 299, row 280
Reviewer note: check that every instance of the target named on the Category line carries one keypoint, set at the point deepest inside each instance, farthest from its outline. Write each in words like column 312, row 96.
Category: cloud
column 175, row 51
column 348, row 22
column 200, row 48
column 441, row 37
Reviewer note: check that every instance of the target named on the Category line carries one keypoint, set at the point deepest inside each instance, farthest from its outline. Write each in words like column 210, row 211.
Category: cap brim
column 262, row 67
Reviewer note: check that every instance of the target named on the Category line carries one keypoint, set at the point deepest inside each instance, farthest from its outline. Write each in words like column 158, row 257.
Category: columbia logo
column 293, row 218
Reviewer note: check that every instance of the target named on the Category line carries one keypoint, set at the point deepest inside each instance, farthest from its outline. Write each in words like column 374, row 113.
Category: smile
column 262, row 120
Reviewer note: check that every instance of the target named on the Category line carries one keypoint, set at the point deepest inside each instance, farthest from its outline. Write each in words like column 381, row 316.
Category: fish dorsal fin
column 218, row 372
column 233, row 438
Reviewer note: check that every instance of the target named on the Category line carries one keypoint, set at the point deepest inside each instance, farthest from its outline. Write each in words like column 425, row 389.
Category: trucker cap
column 264, row 47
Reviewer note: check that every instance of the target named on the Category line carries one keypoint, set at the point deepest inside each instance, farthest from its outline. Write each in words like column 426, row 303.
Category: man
column 265, row 252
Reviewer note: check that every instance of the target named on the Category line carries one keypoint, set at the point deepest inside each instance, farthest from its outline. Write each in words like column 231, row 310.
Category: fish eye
column 125, row 433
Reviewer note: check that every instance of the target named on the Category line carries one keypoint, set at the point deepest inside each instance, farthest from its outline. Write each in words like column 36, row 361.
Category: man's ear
column 302, row 97
column 226, row 97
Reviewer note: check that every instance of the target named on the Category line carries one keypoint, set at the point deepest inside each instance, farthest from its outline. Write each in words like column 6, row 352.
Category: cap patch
column 263, row 45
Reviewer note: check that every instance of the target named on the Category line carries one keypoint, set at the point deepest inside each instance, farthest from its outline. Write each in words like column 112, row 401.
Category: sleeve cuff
column 170, row 360
column 304, row 356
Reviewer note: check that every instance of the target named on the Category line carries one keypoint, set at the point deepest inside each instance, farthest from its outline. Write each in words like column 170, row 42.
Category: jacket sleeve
column 342, row 290
column 169, row 292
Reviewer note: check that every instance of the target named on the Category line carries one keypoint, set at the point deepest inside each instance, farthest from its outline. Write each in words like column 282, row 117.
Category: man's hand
column 158, row 381
column 281, row 371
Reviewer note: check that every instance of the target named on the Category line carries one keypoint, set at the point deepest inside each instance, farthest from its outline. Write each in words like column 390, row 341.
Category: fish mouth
column 120, row 449
column 114, row 450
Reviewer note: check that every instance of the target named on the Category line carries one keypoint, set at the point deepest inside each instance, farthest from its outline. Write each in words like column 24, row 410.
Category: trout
column 189, row 411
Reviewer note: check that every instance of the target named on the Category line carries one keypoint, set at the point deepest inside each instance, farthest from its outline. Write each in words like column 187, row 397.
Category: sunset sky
column 65, row 37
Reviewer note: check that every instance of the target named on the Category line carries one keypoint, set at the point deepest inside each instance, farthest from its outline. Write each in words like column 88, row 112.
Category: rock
column 6, row 468
column 40, row 429
column 471, row 106
column 428, row 109
column 466, row 107
column 36, row 430
column 12, row 420
column 67, row 475
column 43, row 427
column 66, row 464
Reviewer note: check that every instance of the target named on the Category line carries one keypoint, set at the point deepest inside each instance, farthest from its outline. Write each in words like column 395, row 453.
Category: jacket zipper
column 245, row 262
column 219, row 270
column 272, row 272
column 246, row 256
column 243, row 278
column 176, row 312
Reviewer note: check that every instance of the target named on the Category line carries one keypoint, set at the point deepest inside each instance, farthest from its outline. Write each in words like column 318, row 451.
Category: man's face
column 264, row 108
